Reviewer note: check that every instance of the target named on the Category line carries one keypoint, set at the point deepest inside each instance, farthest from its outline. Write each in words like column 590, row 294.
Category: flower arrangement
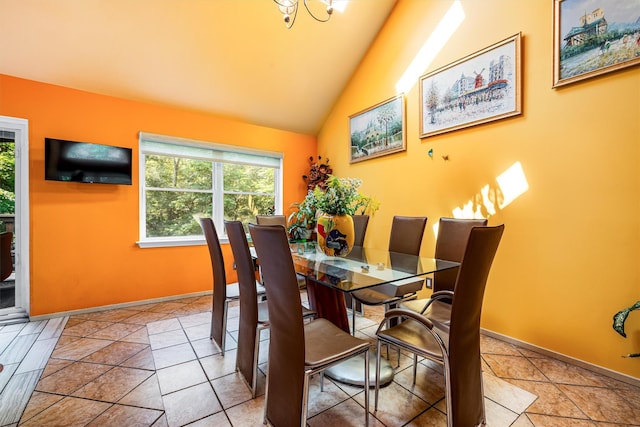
column 342, row 197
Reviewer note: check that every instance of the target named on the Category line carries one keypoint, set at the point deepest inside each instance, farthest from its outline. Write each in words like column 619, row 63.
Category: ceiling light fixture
column 289, row 10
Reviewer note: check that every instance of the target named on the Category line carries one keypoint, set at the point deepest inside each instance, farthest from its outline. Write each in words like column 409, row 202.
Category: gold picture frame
column 378, row 130
column 479, row 88
column 588, row 43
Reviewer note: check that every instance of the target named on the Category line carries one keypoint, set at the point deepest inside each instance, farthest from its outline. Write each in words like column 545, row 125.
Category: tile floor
column 154, row 365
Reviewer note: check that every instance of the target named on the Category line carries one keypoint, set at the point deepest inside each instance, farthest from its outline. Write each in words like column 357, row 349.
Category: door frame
column 22, row 259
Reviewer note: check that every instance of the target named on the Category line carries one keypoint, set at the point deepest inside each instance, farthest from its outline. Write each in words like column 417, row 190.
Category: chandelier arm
column 329, row 8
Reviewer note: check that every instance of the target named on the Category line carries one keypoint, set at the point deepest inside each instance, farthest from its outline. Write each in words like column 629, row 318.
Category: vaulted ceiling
column 233, row 58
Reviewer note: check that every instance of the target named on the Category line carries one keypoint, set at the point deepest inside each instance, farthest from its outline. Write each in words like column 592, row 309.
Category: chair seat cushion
column 414, row 337
column 233, row 290
column 438, row 312
column 326, row 343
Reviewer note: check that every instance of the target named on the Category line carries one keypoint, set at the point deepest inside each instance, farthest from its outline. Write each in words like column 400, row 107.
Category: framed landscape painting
column 479, row 88
column 378, row 131
column 593, row 37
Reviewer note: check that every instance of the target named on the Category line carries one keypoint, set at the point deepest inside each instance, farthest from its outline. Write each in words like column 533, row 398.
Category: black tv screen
column 86, row 162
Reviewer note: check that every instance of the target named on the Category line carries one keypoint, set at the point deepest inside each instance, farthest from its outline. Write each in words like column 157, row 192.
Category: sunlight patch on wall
column 494, row 197
column 434, row 44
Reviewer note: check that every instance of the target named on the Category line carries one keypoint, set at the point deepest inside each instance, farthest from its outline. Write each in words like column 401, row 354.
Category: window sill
column 162, row 242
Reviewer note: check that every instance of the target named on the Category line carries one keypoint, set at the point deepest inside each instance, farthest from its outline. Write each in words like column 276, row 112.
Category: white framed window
column 183, row 179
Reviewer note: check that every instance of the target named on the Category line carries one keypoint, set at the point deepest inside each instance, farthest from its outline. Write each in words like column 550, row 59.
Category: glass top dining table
column 329, row 278
column 362, row 267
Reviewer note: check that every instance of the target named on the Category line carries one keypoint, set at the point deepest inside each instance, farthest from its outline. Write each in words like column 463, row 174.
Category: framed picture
column 379, row 130
column 479, row 88
column 591, row 38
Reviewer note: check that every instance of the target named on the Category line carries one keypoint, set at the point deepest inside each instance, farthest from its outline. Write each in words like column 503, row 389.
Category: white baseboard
column 116, row 306
column 586, row 365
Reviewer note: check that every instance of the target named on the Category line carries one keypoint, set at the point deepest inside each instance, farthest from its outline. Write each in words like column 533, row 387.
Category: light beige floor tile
column 430, row 418
column 348, row 414
column 396, row 405
column 161, row 326
column 191, row 404
column 429, row 384
column 231, row 390
column 195, row 320
column 497, row 415
column 205, row 347
column 506, row 394
column 249, row 413
column 322, row 400
column 167, row 339
column 177, row 377
column 217, row 366
column 173, row 355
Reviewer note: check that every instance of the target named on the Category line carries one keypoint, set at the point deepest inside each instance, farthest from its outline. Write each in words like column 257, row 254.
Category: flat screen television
column 86, row 162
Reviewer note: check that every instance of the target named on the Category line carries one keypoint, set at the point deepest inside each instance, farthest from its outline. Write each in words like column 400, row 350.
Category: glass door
column 14, row 220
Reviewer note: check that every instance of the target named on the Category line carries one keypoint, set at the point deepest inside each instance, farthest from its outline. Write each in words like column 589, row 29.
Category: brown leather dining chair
column 271, row 220
column 223, row 294
column 296, row 350
column 453, row 234
column 360, row 223
column 456, row 348
column 405, row 238
column 254, row 315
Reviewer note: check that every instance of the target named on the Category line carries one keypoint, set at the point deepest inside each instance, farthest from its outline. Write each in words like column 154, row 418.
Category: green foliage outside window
column 7, row 177
column 178, row 188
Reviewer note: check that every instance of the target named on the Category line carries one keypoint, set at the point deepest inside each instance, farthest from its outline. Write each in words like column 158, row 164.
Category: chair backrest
column 219, row 279
column 6, row 262
column 271, row 220
column 248, row 297
column 360, row 223
column 453, row 234
column 286, row 343
column 406, row 234
column 464, row 333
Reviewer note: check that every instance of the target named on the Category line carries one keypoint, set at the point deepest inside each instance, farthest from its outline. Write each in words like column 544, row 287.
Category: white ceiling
column 228, row 57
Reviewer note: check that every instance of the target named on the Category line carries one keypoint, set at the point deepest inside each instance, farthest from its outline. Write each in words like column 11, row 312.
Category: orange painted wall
column 83, row 251
column 568, row 260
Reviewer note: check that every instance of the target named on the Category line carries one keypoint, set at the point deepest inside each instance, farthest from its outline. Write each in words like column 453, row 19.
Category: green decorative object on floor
column 618, row 323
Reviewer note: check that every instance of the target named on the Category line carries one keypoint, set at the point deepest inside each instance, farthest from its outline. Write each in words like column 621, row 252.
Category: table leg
column 328, row 303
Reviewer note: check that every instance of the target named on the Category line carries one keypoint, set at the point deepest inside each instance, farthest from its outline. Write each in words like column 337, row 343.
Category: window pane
column 249, row 179
column 170, row 213
column 245, row 207
column 177, row 172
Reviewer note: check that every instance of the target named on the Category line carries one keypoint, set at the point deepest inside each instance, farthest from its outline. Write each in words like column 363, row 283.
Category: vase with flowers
column 340, row 199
